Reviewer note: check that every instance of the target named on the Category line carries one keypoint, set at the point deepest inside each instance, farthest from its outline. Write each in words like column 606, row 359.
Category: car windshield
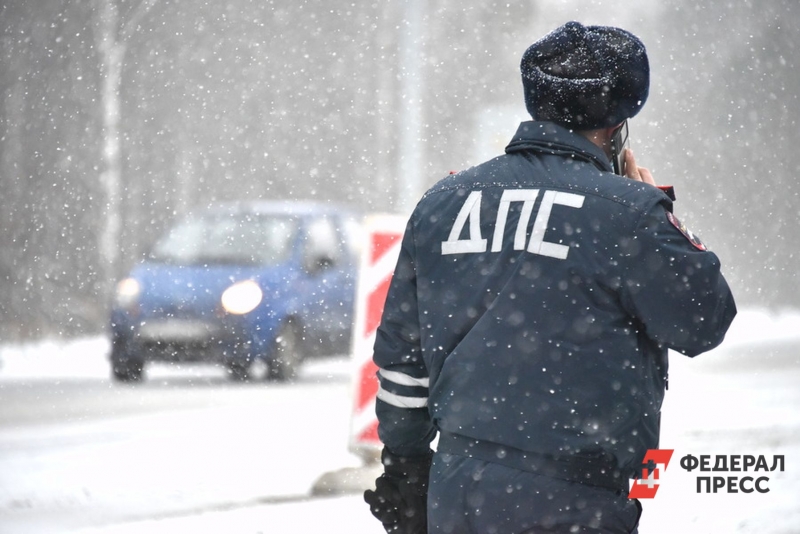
column 224, row 239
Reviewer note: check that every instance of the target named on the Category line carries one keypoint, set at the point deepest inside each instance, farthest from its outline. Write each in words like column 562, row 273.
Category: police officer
column 530, row 313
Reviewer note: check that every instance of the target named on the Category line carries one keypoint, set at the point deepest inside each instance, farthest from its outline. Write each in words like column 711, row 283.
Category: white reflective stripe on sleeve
column 400, row 401
column 403, row 379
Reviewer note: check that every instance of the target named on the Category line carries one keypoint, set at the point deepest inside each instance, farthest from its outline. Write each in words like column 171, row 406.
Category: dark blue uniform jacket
column 534, row 301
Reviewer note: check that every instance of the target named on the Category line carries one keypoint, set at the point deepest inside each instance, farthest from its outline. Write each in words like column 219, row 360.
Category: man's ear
column 603, row 140
column 611, row 130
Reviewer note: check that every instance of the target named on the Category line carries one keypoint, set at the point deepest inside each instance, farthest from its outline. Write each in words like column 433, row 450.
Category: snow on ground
column 740, row 399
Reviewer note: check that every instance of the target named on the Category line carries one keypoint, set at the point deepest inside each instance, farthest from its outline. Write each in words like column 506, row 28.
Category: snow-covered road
column 77, row 450
column 190, row 452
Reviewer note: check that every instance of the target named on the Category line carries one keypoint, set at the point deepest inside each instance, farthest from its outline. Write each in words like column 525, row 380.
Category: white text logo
column 475, row 243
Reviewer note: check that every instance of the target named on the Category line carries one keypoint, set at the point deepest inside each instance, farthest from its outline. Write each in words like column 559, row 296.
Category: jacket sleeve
column 404, row 424
column 673, row 285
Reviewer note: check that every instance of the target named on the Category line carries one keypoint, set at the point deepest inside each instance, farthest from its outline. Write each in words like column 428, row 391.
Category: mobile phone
column 619, row 142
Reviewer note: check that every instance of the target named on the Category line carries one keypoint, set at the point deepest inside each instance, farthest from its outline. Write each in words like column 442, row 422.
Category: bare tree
column 112, row 34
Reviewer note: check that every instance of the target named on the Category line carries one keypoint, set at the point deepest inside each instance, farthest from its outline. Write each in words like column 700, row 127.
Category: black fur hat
column 585, row 77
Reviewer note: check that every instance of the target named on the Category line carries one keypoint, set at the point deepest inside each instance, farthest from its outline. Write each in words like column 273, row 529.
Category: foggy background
column 118, row 115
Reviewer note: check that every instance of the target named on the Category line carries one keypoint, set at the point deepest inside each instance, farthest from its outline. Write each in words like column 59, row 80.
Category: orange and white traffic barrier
column 384, row 234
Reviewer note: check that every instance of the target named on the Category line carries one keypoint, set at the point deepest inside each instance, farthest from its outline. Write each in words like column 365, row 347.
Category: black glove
column 400, row 498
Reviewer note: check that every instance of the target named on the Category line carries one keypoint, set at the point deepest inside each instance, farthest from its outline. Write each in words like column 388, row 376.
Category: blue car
column 257, row 285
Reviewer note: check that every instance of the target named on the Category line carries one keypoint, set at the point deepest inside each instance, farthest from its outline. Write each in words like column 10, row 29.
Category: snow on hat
column 585, row 77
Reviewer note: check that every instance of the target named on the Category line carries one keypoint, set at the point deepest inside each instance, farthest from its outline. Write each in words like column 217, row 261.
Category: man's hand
column 400, row 498
column 634, row 172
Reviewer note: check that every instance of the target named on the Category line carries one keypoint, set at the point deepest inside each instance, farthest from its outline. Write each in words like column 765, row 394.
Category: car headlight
column 127, row 293
column 242, row 297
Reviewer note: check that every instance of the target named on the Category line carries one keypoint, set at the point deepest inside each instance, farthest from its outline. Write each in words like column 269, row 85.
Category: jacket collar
column 550, row 138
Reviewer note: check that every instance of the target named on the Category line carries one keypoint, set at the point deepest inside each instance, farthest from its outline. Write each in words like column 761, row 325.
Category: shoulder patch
column 693, row 239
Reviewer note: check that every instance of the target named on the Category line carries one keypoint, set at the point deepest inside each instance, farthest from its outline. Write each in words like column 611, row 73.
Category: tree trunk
column 112, row 53
column 112, row 37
